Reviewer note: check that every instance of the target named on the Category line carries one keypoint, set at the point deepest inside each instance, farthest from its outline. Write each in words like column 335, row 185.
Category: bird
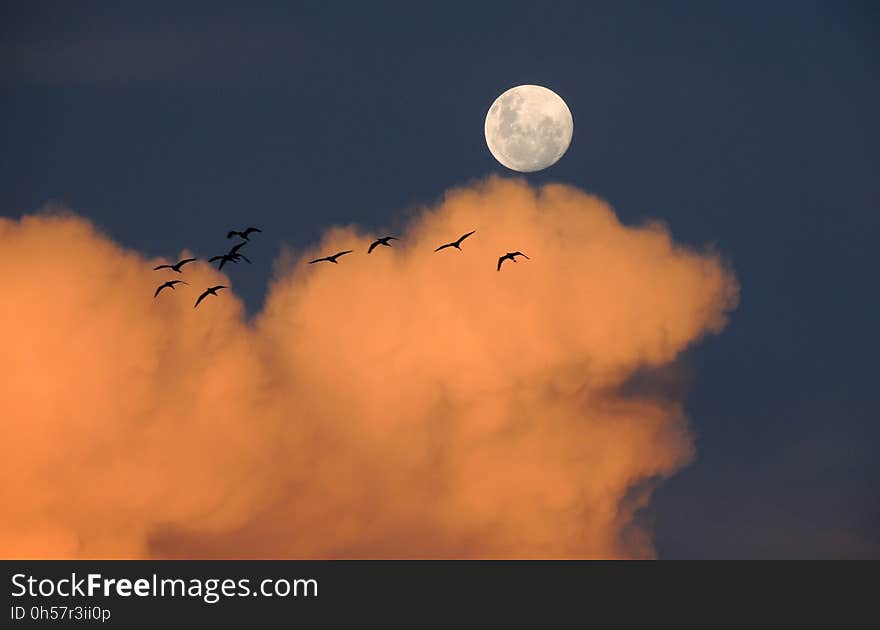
column 245, row 235
column 455, row 244
column 237, row 247
column 509, row 256
column 231, row 256
column 382, row 241
column 331, row 258
column 225, row 258
column 176, row 266
column 210, row 291
column 170, row 284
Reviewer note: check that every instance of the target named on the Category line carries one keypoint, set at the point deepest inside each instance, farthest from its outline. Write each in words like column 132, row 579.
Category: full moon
column 528, row 128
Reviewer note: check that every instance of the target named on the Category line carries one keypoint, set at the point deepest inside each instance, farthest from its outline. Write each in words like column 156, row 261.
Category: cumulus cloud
column 401, row 404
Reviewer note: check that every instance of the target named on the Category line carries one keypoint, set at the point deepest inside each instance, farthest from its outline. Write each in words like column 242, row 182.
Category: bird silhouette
column 225, row 258
column 382, row 241
column 455, row 244
column 170, row 284
column 176, row 266
column 245, row 234
column 209, row 291
column 236, row 247
column 509, row 256
column 331, row 258
column 231, row 256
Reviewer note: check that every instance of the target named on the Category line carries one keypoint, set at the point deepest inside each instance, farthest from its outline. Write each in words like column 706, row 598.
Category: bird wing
column 184, row 261
column 500, row 260
column 465, row 236
column 253, row 229
column 373, row 246
column 232, row 233
column 215, row 258
column 218, row 287
column 520, row 254
column 162, row 267
column 312, row 262
column 223, row 261
column 201, row 297
column 161, row 286
column 444, row 246
column 237, row 247
column 337, row 255
column 245, row 258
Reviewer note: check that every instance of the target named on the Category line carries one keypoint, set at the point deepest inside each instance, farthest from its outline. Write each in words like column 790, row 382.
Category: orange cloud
column 401, row 404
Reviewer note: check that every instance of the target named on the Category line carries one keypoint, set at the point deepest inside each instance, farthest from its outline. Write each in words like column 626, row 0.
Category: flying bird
column 455, row 244
column 235, row 248
column 509, row 256
column 170, row 284
column 231, row 256
column 245, row 235
column 176, row 266
column 225, row 258
column 382, row 241
column 209, row 291
column 331, row 258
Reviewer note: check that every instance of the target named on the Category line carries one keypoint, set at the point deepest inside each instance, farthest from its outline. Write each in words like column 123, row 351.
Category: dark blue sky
column 750, row 125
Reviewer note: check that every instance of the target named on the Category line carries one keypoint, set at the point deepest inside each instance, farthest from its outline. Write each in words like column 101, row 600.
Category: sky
column 740, row 138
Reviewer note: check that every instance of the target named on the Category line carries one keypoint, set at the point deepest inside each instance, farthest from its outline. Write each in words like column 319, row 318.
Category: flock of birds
column 234, row 255
column 386, row 241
